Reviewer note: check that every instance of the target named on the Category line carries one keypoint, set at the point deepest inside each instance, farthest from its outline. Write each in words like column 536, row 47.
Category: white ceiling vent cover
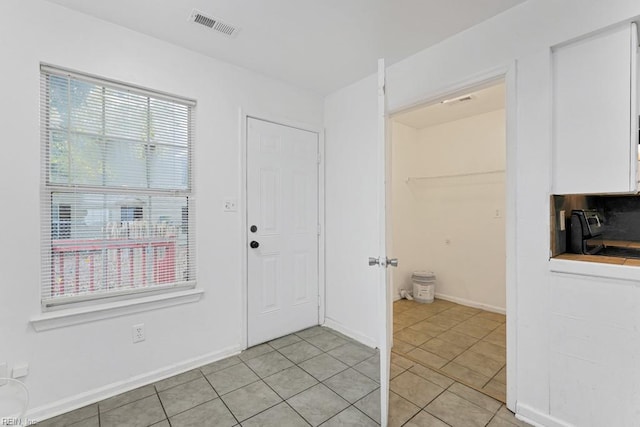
column 214, row 23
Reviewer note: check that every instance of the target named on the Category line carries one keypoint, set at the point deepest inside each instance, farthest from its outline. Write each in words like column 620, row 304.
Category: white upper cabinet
column 595, row 124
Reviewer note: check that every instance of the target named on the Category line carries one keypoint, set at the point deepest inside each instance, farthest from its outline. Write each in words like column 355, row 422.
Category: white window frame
column 129, row 299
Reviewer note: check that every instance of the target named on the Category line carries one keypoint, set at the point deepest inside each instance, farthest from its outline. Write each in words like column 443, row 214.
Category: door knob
column 393, row 262
column 253, row 229
column 254, row 244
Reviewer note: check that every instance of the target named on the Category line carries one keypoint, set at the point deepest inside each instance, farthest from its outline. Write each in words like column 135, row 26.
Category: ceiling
column 321, row 45
column 491, row 98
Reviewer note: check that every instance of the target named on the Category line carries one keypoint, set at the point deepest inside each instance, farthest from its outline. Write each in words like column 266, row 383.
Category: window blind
column 117, row 205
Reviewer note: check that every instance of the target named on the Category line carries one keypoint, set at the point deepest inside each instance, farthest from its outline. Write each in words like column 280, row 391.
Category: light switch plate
column 230, row 205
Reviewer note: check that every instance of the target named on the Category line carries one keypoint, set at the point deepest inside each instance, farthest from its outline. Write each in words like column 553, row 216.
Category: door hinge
column 319, row 229
column 319, row 158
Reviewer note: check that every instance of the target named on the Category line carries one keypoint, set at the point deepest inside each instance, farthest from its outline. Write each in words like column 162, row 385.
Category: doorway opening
column 448, row 200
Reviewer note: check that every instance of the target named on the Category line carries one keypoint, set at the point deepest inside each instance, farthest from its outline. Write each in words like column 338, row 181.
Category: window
column 130, row 213
column 117, row 193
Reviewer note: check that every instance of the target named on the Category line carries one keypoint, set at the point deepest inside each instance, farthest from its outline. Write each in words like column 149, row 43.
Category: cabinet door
column 594, row 112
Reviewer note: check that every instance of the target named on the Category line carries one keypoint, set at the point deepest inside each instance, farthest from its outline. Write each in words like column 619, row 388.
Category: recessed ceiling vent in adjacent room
column 213, row 23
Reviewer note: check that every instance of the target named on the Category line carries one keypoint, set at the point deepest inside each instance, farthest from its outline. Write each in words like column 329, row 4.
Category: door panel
column 282, row 201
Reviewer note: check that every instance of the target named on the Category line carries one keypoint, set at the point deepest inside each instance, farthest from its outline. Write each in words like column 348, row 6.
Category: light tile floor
column 313, row 377
column 464, row 343
column 420, row 396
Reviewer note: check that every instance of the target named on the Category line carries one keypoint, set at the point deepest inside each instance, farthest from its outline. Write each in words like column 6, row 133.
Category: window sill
column 75, row 316
column 588, row 268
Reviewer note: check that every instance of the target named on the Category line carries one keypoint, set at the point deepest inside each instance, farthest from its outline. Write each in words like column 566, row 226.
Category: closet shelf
column 453, row 176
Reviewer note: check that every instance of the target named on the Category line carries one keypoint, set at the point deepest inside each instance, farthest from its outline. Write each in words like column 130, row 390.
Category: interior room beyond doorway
column 448, row 202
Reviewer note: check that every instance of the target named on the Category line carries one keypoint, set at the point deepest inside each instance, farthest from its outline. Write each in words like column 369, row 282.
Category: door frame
column 244, row 116
column 508, row 73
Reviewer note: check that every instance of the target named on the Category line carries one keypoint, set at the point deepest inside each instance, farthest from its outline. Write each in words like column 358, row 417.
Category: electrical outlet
column 137, row 332
column 562, row 221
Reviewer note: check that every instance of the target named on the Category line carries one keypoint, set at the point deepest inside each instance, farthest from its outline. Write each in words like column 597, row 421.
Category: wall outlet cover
column 137, row 332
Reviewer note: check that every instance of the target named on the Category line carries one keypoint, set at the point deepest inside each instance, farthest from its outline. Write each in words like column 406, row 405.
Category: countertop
column 606, row 259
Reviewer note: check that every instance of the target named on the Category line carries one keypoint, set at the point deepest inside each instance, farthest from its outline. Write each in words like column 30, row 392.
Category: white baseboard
column 330, row 323
column 92, row 396
column 470, row 303
column 536, row 418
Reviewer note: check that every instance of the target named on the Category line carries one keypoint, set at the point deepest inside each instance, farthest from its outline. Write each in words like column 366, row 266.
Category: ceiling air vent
column 213, row 23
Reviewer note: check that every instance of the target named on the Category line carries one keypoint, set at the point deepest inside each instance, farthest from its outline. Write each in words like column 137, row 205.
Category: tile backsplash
column 621, row 217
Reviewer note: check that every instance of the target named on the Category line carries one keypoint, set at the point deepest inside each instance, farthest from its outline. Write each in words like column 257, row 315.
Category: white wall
column 72, row 365
column 351, row 190
column 569, row 330
column 405, row 239
column 443, row 224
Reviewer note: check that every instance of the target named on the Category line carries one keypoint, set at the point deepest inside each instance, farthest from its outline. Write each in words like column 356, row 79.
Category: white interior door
column 282, row 216
column 384, row 288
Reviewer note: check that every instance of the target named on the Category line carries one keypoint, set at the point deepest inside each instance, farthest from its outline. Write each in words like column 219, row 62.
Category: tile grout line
column 322, row 382
column 453, row 359
column 294, row 364
column 482, row 339
column 319, row 382
column 220, row 396
column 443, row 391
column 162, row 406
column 284, row 400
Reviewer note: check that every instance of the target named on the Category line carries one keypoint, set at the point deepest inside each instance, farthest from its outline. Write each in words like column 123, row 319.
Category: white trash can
column 424, row 286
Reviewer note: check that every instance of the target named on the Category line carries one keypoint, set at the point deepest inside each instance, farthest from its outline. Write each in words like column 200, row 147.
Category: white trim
column 322, row 238
column 511, row 229
column 86, row 300
column 508, row 73
column 595, row 270
column 473, row 82
column 363, row 339
column 242, row 209
column 633, row 157
column 470, row 303
column 80, row 400
column 75, row 316
column 244, row 224
column 529, row 415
